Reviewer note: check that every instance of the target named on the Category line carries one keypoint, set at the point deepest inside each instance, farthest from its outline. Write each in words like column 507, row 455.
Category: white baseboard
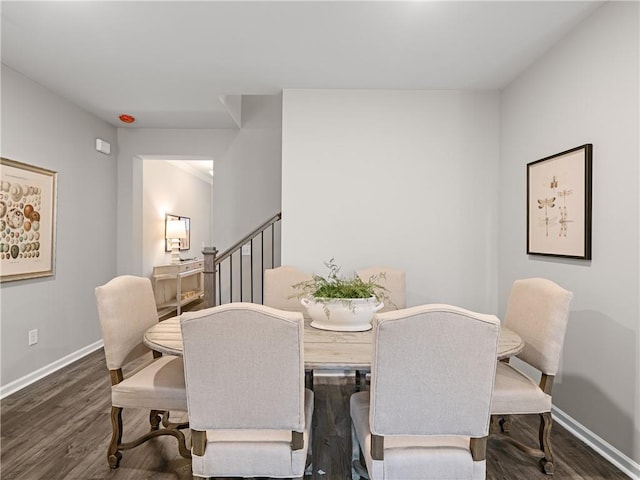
column 612, row 454
column 20, row 383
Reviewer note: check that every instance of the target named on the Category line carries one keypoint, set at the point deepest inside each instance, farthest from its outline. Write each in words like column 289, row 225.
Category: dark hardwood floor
column 59, row 428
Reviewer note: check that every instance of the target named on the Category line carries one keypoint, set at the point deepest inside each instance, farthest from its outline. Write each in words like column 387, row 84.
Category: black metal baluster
column 231, row 278
column 252, row 278
column 219, row 284
column 262, row 263
column 273, row 241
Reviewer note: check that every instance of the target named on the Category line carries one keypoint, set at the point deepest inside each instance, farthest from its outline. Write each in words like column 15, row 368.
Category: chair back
column 278, row 291
column 433, row 371
column 395, row 283
column 126, row 308
column 244, row 367
column 538, row 311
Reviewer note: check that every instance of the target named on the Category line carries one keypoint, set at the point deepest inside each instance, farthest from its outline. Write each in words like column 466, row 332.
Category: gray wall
column 406, row 179
column 246, row 185
column 585, row 91
column 247, row 182
column 133, row 145
column 45, row 130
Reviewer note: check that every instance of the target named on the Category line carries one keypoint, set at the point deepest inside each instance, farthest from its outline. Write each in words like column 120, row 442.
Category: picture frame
column 185, row 243
column 27, row 221
column 559, row 204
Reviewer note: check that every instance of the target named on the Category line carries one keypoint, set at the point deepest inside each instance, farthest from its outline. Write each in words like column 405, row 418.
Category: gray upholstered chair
column 126, row 308
column 249, row 412
column 538, row 311
column 394, row 281
column 427, row 413
column 278, row 291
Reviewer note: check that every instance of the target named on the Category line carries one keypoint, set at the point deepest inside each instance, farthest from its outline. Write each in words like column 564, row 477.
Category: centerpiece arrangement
column 338, row 303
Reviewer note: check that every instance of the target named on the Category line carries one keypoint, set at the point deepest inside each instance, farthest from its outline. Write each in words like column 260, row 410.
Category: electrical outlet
column 246, row 249
column 33, row 336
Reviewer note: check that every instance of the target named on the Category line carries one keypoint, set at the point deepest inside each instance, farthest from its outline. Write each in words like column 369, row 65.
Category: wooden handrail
column 213, row 263
column 246, row 238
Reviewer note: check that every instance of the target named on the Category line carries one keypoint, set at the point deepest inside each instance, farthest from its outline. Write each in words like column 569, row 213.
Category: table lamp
column 175, row 231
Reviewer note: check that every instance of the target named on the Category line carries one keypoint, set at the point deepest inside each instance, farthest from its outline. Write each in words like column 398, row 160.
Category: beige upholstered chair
column 538, row 311
column 278, row 291
column 427, row 413
column 249, row 412
column 126, row 307
column 394, row 281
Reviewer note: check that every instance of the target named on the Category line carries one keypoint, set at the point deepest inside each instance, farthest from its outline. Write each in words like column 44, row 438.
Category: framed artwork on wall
column 559, row 204
column 185, row 243
column 27, row 221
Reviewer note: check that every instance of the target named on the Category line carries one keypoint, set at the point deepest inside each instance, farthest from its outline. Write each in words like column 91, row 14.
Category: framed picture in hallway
column 27, row 221
column 559, row 204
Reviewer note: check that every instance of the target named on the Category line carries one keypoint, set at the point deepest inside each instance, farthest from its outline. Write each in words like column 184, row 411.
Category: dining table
column 323, row 349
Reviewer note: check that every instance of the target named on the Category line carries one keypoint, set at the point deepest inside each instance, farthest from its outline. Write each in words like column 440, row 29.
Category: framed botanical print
column 559, row 204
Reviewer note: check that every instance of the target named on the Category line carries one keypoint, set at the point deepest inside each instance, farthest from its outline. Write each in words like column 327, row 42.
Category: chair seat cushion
column 414, row 457
column 254, row 453
column 157, row 386
column 517, row 393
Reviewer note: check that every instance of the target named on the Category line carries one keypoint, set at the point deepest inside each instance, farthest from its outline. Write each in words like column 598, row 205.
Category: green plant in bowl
column 338, row 303
column 335, row 286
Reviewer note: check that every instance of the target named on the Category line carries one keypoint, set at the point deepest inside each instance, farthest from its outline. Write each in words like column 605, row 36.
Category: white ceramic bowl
column 350, row 315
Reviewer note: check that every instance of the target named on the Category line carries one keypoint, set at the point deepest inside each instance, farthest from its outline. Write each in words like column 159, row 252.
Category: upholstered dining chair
column 279, row 293
column 249, row 412
column 278, row 290
column 393, row 280
column 538, row 311
column 426, row 415
column 126, row 308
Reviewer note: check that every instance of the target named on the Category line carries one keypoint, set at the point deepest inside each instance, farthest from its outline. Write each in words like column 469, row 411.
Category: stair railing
column 230, row 277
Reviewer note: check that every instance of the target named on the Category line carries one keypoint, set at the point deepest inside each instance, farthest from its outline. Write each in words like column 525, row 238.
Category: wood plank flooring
column 59, row 428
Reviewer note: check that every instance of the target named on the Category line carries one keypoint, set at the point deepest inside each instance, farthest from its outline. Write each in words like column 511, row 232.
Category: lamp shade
column 176, row 229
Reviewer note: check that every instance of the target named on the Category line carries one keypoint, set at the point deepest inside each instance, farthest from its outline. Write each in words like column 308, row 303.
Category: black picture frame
column 559, row 196
column 185, row 243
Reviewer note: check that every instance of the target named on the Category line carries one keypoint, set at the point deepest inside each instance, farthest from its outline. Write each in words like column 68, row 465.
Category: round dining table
column 323, row 349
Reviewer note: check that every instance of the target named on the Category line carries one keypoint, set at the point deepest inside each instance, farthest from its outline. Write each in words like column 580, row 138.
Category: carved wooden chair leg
column 174, row 425
column 505, row 423
column 185, row 452
column 154, row 419
column 113, row 453
column 494, row 424
column 545, row 443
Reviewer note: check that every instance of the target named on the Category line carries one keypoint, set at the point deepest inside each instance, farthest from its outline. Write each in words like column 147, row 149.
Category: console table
column 176, row 285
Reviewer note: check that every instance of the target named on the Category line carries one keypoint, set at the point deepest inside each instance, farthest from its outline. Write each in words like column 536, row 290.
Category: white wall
column 42, row 129
column 406, row 179
column 169, row 189
column 585, row 91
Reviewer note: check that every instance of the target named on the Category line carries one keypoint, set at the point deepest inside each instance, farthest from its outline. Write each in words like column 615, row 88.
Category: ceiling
column 183, row 64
